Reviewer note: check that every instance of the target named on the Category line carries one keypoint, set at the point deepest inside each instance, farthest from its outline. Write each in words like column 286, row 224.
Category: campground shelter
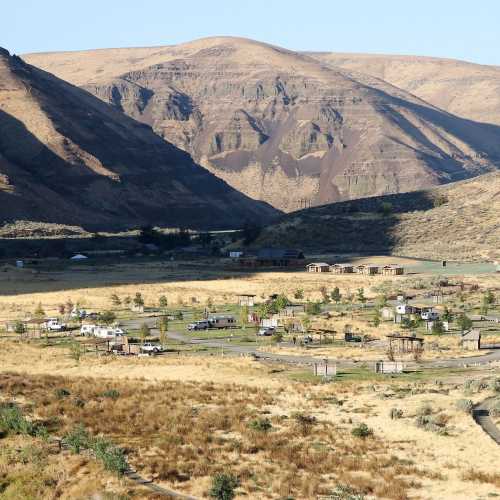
column 471, row 340
column 342, row 268
column 318, row 267
column 367, row 269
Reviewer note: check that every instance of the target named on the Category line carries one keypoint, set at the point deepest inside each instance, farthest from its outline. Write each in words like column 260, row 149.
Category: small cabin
column 471, row 340
column 246, row 299
column 342, row 268
column 318, row 267
column 368, row 269
column 392, row 270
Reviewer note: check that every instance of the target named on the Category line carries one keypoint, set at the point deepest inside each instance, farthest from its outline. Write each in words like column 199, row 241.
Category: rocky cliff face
column 66, row 157
column 285, row 128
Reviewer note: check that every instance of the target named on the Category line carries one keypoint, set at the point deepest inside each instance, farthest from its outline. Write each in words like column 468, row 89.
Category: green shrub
column 77, row 439
column 223, row 486
column 362, row 431
column 111, row 393
column 465, row 405
column 12, row 421
column 260, row 424
column 110, row 455
column 345, row 492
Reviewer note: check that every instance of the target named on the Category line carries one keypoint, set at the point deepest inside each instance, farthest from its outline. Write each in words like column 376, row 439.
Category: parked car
column 266, row 331
column 199, row 325
column 78, row 313
column 148, row 347
column 429, row 315
column 54, row 325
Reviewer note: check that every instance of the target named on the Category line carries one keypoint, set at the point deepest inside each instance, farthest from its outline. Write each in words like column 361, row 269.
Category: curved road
column 484, row 359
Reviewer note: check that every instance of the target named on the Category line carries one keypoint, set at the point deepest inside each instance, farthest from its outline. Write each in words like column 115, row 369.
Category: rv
column 222, row 322
column 87, row 330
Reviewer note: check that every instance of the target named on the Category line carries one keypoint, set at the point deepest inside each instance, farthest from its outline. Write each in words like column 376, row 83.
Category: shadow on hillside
column 364, row 226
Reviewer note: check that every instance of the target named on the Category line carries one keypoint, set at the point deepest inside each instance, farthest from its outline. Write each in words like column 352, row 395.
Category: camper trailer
column 222, row 322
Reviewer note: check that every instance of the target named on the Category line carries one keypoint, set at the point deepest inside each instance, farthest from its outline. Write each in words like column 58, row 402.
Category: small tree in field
column 361, row 296
column 163, row 302
column 336, row 295
column 127, row 301
column 115, row 300
column 437, row 327
column 464, row 322
column 163, row 327
column 376, row 318
column 76, row 351
column 19, row 328
column 138, row 300
column 223, row 486
column 39, row 312
column 69, row 306
column 144, row 332
column 107, row 317
column 298, row 294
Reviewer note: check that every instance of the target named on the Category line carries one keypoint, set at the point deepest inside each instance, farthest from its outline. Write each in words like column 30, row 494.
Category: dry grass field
column 181, row 421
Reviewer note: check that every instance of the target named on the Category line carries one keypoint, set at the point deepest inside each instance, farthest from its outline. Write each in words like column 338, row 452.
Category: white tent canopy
column 79, row 256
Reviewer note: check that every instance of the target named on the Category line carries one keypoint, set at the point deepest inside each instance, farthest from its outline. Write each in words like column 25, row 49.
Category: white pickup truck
column 54, row 325
column 150, row 348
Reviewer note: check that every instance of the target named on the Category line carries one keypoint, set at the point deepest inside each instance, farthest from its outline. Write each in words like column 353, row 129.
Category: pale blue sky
column 445, row 28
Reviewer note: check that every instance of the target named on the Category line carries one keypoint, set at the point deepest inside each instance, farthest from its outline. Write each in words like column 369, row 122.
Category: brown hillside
column 67, row 157
column 462, row 88
column 459, row 221
column 281, row 126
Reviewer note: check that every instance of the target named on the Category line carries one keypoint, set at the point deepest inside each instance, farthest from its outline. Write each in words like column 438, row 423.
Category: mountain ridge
column 67, row 157
column 281, row 126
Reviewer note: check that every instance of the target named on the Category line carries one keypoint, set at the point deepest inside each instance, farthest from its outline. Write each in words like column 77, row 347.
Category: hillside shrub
column 260, row 424
column 223, row 486
column 362, row 431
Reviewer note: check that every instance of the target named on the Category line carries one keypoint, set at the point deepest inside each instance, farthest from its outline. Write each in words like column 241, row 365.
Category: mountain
column 68, row 158
column 465, row 89
column 458, row 221
column 281, row 126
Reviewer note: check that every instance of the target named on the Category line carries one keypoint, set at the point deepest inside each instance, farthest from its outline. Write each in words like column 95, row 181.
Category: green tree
column 19, row 327
column 447, row 315
column 376, row 318
column 385, row 208
column 464, row 322
column 223, row 486
column 163, row 302
column 138, row 300
column 281, row 302
column 361, row 296
column 437, row 327
column 127, row 301
column 39, row 313
column 163, row 327
column 336, row 295
column 144, row 332
column 107, row 317
column 298, row 294
column 489, row 298
column 115, row 300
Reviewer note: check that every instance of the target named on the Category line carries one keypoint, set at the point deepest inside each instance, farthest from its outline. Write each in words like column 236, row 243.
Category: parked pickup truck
column 199, row 325
column 54, row 325
column 148, row 347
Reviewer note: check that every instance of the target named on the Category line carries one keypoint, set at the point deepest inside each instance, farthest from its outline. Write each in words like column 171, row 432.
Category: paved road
column 482, row 417
column 307, row 359
column 484, row 359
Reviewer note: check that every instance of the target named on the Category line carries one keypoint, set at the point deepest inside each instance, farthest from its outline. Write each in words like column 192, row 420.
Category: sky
column 443, row 28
